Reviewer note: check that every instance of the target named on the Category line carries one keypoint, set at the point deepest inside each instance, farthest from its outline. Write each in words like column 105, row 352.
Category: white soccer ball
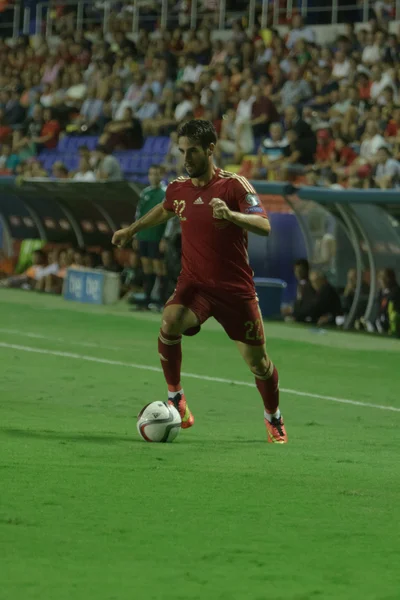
column 159, row 422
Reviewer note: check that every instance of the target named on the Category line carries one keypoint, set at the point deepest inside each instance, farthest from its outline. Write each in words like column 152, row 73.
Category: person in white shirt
column 192, row 71
column 85, row 172
column 380, row 81
column 183, row 106
column 244, row 130
column 374, row 50
column 341, row 67
column 372, row 142
column 299, row 31
column 388, row 170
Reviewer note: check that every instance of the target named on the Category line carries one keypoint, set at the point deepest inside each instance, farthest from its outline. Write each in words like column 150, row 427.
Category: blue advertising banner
column 84, row 286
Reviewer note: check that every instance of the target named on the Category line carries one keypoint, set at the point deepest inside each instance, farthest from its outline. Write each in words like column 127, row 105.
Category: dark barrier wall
column 82, row 214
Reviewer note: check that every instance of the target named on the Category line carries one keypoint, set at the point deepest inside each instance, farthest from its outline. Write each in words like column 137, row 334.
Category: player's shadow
column 65, row 436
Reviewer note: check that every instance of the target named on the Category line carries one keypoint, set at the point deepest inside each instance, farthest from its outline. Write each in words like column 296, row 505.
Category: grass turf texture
column 89, row 511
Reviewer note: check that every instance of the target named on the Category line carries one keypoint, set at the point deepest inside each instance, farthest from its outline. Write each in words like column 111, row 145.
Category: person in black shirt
column 305, row 293
column 325, row 306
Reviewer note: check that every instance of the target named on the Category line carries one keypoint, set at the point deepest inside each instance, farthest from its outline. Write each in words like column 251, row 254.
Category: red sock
column 268, row 386
column 170, row 351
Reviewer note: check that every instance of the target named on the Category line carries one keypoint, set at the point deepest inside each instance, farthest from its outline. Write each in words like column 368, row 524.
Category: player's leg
column 175, row 320
column 242, row 321
column 267, row 382
column 149, row 277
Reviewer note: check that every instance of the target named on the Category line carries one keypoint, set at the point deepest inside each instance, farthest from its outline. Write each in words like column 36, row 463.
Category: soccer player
column 149, row 239
column 216, row 210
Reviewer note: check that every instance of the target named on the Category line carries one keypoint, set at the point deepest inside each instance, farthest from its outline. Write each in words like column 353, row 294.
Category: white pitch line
column 120, row 363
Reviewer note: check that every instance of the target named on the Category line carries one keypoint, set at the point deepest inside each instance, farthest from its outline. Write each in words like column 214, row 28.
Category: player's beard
column 199, row 170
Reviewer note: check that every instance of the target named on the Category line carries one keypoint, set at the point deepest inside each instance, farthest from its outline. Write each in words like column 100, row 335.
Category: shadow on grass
column 65, row 436
column 68, row 437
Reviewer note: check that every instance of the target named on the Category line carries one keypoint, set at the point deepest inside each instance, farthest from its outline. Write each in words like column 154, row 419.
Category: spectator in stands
column 59, row 170
column 296, row 160
column 124, row 134
column 5, row 129
column 388, row 320
column 244, row 130
column 50, row 131
column 299, row 31
column 341, row 66
column 8, row 160
column 393, row 127
column 108, row 168
column 325, row 84
column 271, row 149
column 29, row 277
column 387, row 174
column 296, row 90
column 85, row 172
column 32, row 129
column 147, row 111
column 349, row 294
column 325, row 306
column 305, row 294
column 173, row 163
column 263, row 112
column 108, row 263
column 325, row 150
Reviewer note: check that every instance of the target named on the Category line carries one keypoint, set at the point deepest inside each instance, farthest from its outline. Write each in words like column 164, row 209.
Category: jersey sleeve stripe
column 245, row 183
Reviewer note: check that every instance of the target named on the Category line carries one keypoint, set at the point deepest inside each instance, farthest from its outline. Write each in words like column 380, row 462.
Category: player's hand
column 220, row 209
column 121, row 237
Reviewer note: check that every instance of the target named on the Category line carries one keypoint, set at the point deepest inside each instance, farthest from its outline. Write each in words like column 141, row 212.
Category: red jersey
column 214, row 251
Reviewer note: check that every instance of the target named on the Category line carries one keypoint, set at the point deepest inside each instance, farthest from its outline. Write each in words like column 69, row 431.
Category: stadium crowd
column 285, row 107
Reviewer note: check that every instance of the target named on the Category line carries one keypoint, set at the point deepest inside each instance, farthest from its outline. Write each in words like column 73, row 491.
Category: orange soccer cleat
column 181, row 406
column 276, row 431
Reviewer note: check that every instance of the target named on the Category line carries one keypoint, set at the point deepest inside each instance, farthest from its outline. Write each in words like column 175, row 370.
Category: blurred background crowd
column 286, row 107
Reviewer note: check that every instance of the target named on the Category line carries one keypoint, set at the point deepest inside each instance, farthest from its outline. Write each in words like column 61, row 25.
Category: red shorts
column 240, row 317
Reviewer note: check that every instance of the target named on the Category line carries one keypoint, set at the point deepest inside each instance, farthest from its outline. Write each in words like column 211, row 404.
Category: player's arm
column 250, row 215
column 155, row 216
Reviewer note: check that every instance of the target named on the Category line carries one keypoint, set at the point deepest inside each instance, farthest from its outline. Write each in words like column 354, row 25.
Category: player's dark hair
column 304, row 264
column 200, row 131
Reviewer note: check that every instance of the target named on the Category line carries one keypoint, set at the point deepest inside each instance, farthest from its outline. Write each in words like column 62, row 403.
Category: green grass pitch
column 89, row 511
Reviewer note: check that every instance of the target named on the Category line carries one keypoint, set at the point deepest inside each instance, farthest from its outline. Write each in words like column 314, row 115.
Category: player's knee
column 259, row 367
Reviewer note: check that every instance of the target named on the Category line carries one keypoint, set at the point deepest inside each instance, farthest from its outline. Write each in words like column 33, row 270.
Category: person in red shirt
column 263, row 112
column 50, row 130
column 393, row 127
column 325, row 149
column 216, row 209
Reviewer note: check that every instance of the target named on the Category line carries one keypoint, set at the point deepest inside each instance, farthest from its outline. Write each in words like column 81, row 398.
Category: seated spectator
column 271, row 149
column 108, row 168
column 85, row 172
column 374, row 49
column 349, row 294
column 387, row 174
column 325, row 306
column 147, row 110
column 192, row 71
column 59, row 170
column 296, row 90
column 126, row 134
column 108, row 263
column 325, row 149
column 341, row 66
column 50, row 131
column 173, row 162
column 5, row 129
column 8, row 160
column 263, row 112
column 244, row 130
column 372, row 141
column 342, row 157
column 393, row 127
column 31, row 131
column 30, row 276
column 296, row 158
column 89, row 114
column 304, row 132
column 388, row 319
column 299, row 31
column 325, row 84
column 305, row 294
